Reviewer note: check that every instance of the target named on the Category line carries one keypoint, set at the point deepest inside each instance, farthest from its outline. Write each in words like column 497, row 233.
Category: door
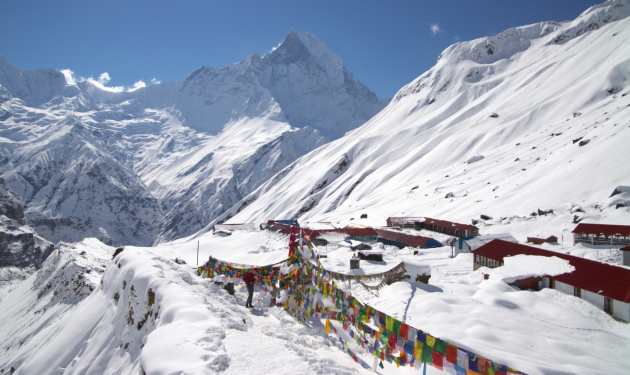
column 608, row 305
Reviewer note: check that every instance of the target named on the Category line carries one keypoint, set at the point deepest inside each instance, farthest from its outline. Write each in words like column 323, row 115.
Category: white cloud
column 155, row 81
column 138, row 85
column 69, row 74
column 102, row 81
column 456, row 38
column 435, row 28
column 104, row 78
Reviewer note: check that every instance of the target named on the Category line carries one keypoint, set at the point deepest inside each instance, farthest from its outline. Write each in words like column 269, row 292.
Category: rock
column 576, row 114
column 543, row 212
column 450, row 195
column 475, row 159
column 485, row 217
column 475, row 222
column 364, row 216
column 620, row 189
column 584, row 142
column 494, row 115
column 576, row 140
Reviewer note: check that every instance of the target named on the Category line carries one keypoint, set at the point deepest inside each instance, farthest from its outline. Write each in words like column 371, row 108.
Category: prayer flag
column 482, row 366
column 427, row 354
column 451, row 354
column 412, row 335
column 396, row 326
column 430, row 340
column 440, row 346
column 381, row 364
column 437, row 360
column 417, row 352
column 404, row 330
column 327, row 328
column 389, row 323
column 472, row 362
column 409, row 347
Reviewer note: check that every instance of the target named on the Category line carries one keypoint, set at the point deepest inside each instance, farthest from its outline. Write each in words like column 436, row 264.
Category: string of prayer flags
column 393, row 341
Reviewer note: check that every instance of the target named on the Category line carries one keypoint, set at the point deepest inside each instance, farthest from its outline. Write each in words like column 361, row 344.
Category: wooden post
column 197, row 253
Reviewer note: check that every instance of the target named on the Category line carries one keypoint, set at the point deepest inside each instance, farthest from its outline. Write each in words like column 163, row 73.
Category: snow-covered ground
column 86, row 313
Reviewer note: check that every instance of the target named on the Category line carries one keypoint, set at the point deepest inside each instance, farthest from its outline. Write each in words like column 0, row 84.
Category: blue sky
column 386, row 44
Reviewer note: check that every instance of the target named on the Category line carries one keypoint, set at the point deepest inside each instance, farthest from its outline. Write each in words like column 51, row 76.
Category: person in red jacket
column 249, row 282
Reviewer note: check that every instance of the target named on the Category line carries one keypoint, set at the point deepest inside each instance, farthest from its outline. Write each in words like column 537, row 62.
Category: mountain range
column 161, row 162
column 534, row 119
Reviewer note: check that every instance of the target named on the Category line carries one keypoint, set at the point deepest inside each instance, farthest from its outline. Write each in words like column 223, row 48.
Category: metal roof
column 605, row 229
column 600, row 278
column 448, row 224
column 428, row 220
column 407, row 239
column 349, row 231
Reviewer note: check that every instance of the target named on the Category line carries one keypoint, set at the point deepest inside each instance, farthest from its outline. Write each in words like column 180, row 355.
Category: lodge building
column 602, row 234
column 604, row 285
column 402, row 240
column 435, row 225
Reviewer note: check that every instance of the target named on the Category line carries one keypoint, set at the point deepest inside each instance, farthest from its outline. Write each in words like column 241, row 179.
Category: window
column 552, row 284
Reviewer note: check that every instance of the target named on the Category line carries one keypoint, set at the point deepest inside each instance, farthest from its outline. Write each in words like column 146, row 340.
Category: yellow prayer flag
column 327, row 329
column 430, row 341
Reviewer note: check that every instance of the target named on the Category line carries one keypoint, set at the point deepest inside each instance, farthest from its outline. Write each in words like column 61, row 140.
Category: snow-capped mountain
column 163, row 161
column 534, row 119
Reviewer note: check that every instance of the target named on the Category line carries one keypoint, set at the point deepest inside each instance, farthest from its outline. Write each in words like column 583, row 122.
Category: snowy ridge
column 542, row 115
column 162, row 162
column 86, row 313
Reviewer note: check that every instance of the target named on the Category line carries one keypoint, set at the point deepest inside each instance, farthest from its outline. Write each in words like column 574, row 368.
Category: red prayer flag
column 482, row 365
column 451, row 354
column 438, row 360
column 404, row 330
column 391, row 342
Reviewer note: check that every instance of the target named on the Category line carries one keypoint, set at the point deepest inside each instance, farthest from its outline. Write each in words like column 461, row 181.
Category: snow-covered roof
column 601, row 278
column 522, row 266
column 477, row 242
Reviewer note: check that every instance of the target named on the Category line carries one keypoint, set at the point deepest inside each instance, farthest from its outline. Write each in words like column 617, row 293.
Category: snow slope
column 163, row 161
column 534, row 118
column 86, row 313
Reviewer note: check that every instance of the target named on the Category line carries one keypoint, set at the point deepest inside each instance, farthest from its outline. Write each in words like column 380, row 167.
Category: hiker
column 249, row 282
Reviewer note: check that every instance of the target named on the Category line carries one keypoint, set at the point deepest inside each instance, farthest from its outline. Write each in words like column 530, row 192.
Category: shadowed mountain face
column 164, row 161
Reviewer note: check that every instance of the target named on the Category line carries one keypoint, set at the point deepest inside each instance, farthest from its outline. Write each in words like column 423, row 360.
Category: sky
column 385, row 44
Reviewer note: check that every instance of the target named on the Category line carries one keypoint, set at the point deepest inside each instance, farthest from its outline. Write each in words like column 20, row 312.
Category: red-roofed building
column 441, row 226
column 402, row 240
column 602, row 234
column 604, row 285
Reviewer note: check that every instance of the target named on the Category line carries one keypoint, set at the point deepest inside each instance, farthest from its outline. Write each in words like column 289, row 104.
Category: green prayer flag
column 427, row 354
column 396, row 327
column 381, row 364
column 440, row 346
